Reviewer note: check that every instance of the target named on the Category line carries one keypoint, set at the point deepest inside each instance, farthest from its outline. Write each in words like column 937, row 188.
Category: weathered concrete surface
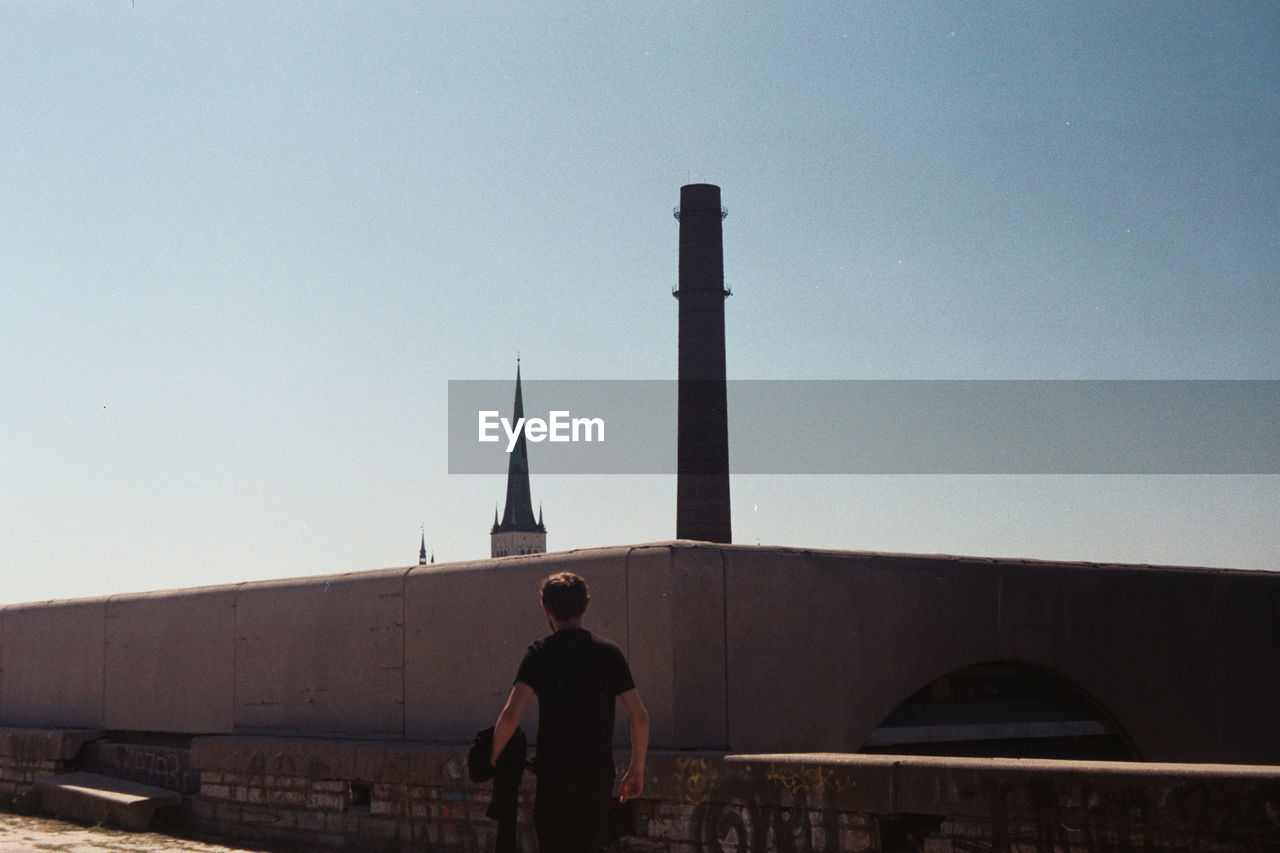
column 93, row 799
column 44, row 744
column 385, row 796
column 468, row 625
column 400, row 795
column 161, row 763
column 1183, row 660
column 843, row 802
column 656, row 637
column 28, row 754
column 52, row 663
column 1246, row 683
column 152, row 642
column 925, row 784
column 738, row 647
column 824, row 645
column 690, row 597
column 321, row 655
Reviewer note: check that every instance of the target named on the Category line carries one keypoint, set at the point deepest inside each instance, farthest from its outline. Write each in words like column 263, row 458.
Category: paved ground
column 20, row 834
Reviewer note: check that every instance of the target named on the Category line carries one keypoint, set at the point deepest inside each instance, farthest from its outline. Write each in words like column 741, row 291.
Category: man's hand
column 521, row 693
column 633, row 779
column 632, row 784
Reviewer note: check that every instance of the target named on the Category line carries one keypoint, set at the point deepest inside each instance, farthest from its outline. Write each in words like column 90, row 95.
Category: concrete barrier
column 321, row 656
column 169, row 662
column 733, row 647
column 468, row 625
column 825, row 645
column 333, row 711
column 52, row 664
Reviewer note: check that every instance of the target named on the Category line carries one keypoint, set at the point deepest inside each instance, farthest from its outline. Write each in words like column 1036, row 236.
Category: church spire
column 422, row 552
column 518, row 532
column 518, row 512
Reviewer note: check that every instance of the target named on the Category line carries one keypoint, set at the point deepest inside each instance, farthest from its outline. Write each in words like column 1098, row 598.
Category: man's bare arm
column 633, row 779
column 509, row 719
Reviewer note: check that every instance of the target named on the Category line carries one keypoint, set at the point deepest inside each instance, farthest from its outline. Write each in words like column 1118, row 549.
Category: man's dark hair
column 565, row 595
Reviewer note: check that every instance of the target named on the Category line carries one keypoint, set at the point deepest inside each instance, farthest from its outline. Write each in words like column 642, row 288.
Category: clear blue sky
column 244, row 246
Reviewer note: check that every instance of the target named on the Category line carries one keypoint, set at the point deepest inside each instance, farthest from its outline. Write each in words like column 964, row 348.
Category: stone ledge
column 90, row 798
column 891, row 784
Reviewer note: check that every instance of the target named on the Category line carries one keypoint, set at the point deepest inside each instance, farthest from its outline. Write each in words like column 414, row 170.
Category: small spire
column 422, row 551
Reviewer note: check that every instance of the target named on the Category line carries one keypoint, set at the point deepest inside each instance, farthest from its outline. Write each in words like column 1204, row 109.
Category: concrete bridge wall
column 742, row 648
column 823, row 645
column 377, row 795
column 422, row 653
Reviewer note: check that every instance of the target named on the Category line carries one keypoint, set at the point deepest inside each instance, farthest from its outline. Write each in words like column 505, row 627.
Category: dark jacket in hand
column 506, row 778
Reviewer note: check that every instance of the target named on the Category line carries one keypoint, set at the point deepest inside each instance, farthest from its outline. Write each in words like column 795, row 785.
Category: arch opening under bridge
column 1001, row 709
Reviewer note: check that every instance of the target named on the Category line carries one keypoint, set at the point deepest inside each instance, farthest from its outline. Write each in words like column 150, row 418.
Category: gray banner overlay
column 883, row 426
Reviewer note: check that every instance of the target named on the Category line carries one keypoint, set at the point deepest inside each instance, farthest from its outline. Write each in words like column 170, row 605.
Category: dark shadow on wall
column 1001, row 710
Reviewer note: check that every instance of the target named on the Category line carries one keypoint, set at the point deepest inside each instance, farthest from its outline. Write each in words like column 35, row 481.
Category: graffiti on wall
column 446, row 813
column 455, row 813
column 159, row 766
column 1089, row 818
column 766, row 807
column 793, row 808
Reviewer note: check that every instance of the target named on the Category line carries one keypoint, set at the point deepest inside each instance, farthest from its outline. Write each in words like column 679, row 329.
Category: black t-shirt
column 577, row 677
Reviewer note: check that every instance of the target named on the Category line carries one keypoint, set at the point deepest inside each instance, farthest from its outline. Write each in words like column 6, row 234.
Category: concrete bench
column 90, row 798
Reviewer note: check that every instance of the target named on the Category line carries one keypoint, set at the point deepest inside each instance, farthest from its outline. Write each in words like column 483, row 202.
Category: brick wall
column 343, row 794
column 385, row 796
column 360, row 795
column 30, row 754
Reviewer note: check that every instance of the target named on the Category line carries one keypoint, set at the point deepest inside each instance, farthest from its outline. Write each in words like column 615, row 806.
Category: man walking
column 577, row 677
